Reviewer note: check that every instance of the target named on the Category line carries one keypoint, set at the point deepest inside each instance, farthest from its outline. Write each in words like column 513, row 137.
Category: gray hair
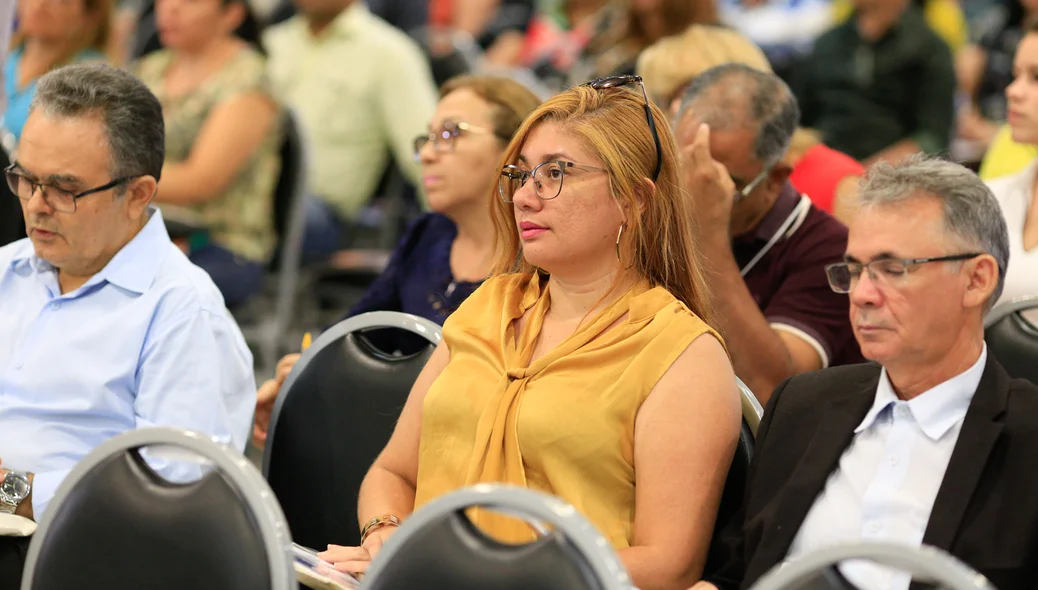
column 132, row 116
column 736, row 95
column 971, row 212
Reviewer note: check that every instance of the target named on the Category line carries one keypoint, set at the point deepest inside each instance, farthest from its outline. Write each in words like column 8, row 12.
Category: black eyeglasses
column 884, row 271
column 443, row 138
column 59, row 199
column 618, row 81
column 547, row 179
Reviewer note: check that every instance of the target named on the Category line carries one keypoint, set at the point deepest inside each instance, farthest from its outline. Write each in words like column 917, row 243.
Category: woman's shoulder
column 247, row 70
column 497, row 296
column 661, row 308
column 423, row 234
column 149, row 68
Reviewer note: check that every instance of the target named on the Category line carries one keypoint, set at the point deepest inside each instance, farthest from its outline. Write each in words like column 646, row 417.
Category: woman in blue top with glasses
column 444, row 256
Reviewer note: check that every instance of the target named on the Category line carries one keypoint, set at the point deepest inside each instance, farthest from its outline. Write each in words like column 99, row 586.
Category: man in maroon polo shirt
column 765, row 245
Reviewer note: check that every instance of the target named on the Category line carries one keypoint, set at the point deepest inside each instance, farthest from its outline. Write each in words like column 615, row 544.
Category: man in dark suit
column 934, row 443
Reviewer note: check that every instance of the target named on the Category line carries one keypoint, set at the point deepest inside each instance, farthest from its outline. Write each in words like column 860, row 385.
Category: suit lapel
column 980, row 431
column 820, row 459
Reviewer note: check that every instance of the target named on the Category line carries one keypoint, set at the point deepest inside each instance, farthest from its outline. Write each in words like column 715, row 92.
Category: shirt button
column 893, row 460
column 18, row 365
column 903, row 411
column 55, row 305
column 874, row 526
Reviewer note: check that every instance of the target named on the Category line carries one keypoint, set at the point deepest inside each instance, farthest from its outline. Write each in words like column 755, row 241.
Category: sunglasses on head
column 618, row 81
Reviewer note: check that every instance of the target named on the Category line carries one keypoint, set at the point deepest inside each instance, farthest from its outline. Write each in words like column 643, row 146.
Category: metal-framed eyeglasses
column 443, row 138
column 618, row 81
column 890, row 272
column 745, row 191
column 59, row 199
column 547, row 179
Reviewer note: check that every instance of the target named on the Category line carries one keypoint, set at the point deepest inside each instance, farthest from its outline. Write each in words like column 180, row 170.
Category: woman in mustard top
column 583, row 367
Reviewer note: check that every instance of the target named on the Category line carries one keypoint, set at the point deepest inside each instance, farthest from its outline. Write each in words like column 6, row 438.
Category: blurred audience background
column 873, row 80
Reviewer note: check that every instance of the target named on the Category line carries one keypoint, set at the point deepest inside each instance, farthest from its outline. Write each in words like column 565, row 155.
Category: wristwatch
column 14, row 488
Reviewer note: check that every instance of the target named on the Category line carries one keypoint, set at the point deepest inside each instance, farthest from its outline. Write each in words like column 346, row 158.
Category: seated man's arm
column 762, row 356
column 407, row 99
column 194, row 372
column 803, row 325
column 934, row 111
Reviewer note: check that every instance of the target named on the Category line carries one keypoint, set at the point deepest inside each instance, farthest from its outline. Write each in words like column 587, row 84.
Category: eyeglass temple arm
column 655, row 138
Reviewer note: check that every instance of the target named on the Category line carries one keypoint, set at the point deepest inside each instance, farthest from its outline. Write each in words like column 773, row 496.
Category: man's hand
column 266, row 396
column 710, row 186
column 703, row 586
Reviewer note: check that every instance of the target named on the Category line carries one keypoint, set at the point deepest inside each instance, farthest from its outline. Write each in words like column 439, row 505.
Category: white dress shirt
column 1015, row 194
column 887, row 480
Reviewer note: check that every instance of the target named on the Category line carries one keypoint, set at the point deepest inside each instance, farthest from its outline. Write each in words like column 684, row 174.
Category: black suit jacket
column 986, row 510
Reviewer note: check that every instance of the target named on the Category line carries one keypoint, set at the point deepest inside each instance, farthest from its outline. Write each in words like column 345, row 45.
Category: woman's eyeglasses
column 547, row 179
column 443, row 138
column 618, row 81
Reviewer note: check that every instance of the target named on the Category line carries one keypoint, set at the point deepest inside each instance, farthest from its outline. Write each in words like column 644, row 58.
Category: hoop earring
column 618, row 234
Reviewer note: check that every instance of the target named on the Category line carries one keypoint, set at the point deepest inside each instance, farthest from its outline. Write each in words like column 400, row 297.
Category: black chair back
column 334, row 416
column 439, row 547
column 12, row 222
column 731, row 499
column 292, row 171
column 451, row 553
column 1013, row 339
column 118, row 525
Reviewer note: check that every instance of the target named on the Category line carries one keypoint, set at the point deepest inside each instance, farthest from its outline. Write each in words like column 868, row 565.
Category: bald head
column 738, row 97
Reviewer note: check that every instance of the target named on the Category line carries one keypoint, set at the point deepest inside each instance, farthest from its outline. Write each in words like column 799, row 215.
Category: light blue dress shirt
column 888, row 478
column 145, row 342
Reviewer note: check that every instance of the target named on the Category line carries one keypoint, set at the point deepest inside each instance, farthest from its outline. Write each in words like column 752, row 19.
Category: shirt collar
column 348, row 22
column 132, row 268
column 773, row 220
column 935, row 410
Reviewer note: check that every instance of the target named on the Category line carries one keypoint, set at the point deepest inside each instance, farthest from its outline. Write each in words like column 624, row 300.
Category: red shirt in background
column 819, row 172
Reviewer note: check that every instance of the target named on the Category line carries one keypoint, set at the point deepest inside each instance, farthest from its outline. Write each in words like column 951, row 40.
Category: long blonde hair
column 658, row 242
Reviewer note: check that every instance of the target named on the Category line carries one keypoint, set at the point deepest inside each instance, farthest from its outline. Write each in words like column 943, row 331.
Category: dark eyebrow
column 51, row 178
column 880, row 256
column 63, row 179
column 548, row 158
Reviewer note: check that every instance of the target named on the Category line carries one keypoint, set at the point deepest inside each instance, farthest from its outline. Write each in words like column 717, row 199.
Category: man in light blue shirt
column 105, row 326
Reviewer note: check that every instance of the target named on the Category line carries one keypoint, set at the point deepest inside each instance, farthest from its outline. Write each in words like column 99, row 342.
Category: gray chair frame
column 926, row 562
column 253, row 488
column 1002, row 310
column 535, row 507
column 366, row 321
column 752, row 411
column 268, row 332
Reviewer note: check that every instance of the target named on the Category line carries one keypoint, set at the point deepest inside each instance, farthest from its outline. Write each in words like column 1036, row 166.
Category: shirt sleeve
column 935, row 106
column 803, row 304
column 384, row 293
column 196, row 373
column 407, row 99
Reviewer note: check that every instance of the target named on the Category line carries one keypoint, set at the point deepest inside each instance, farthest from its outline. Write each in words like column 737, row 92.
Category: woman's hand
column 265, row 398
column 355, row 560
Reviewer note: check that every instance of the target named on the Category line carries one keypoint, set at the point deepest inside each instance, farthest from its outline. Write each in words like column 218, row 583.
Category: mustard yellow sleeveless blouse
column 563, row 424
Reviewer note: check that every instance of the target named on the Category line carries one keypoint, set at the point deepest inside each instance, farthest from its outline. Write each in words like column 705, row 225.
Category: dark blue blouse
column 418, row 280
